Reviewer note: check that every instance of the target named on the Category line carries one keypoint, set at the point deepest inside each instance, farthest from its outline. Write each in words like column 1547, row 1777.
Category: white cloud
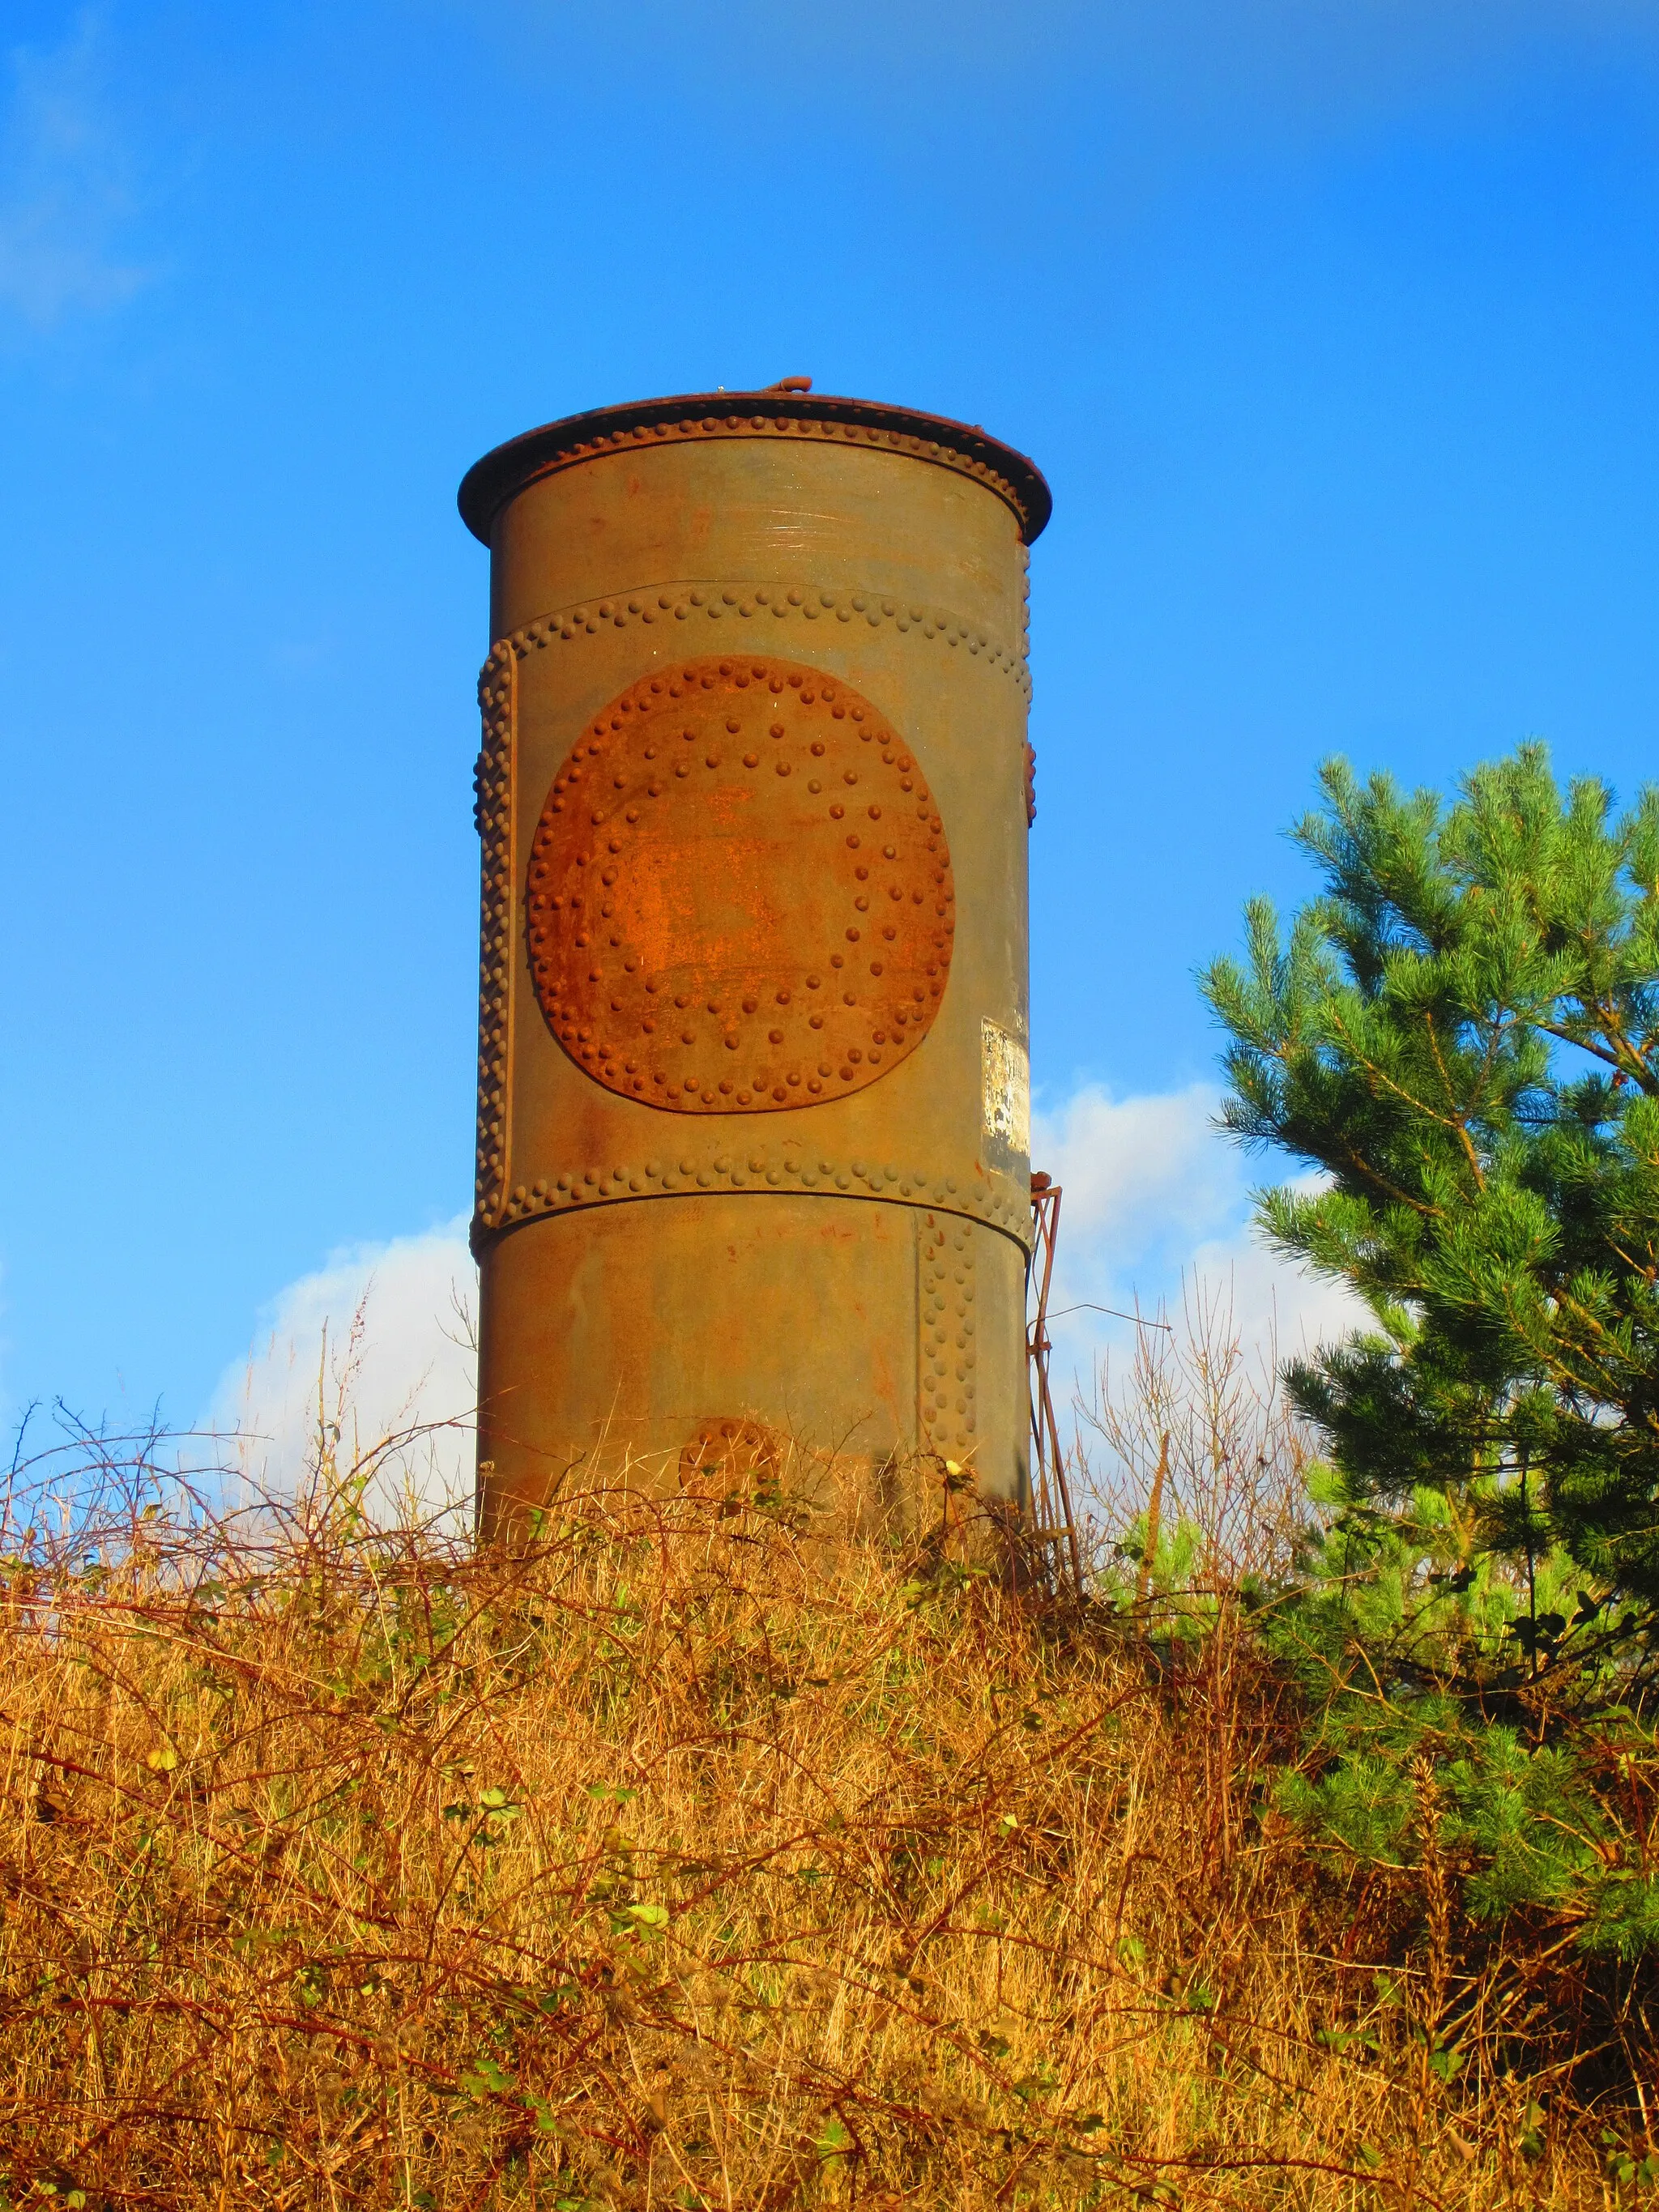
column 378, row 1343
column 1154, row 1212
column 65, row 188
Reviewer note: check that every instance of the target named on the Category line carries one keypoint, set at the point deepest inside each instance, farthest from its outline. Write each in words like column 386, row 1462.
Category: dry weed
column 691, row 1855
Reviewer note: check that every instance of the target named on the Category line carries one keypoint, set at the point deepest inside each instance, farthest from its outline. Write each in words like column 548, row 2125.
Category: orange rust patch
column 732, row 1450
column 740, row 896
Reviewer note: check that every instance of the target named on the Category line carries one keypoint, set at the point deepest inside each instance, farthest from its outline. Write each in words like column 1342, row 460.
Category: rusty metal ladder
column 1055, row 1523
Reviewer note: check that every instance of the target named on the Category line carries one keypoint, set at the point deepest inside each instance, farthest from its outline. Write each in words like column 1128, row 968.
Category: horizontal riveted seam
column 745, row 601
column 580, row 1189
column 503, row 475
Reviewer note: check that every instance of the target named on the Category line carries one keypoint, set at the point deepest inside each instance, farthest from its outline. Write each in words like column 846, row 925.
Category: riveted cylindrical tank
column 754, row 793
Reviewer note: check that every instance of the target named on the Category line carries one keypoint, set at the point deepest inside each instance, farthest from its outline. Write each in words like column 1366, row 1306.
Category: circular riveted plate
column 740, row 896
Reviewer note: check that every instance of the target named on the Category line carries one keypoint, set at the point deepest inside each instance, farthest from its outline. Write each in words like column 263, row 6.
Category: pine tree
column 1460, row 1038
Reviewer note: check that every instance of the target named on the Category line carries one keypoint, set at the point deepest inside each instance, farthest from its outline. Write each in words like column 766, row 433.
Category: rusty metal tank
column 753, row 1167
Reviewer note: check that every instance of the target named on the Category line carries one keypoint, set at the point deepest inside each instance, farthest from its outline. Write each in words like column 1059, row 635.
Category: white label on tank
column 1006, row 1069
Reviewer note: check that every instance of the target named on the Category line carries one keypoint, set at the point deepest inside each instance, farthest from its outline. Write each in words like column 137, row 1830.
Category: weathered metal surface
column 740, row 894
column 787, row 410
column 752, row 1137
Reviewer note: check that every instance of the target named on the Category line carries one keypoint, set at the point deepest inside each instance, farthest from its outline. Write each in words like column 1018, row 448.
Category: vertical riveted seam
column 497, row 779
column 947, row 1414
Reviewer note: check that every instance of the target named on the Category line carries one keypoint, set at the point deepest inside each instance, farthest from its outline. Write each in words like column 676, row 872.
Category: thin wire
column 1084, row 1306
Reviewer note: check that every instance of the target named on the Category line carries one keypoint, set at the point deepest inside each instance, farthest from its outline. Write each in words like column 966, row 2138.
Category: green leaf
column 1041, row 2082
column 486, row 2078
column 832, row 2140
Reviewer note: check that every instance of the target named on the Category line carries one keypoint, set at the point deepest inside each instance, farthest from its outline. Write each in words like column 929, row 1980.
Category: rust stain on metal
column 740, row 896
column 732, row 1450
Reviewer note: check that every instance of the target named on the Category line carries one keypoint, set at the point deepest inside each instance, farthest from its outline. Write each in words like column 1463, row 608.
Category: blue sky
column 1334, row 327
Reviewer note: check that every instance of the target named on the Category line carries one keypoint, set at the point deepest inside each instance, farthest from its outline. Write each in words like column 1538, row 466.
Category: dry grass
column 1195, row 1429
column 694, row 1856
